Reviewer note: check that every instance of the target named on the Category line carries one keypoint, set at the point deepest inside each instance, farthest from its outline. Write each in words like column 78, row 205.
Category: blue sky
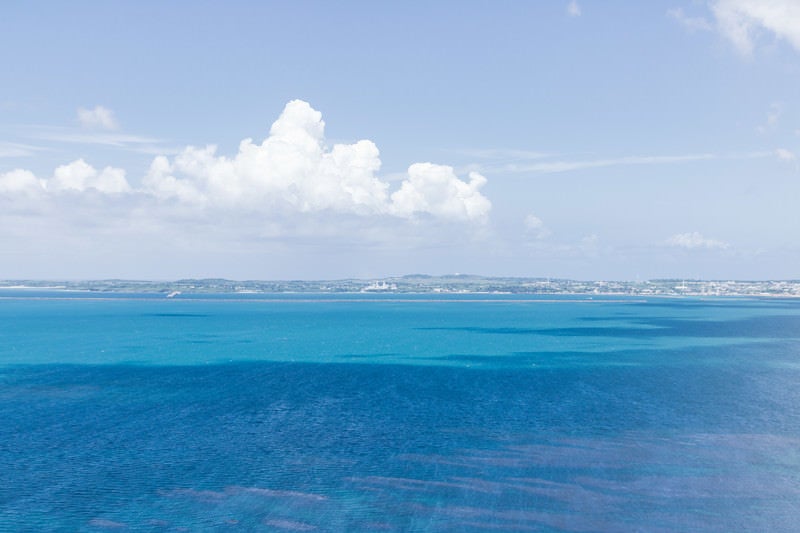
column 614, row 139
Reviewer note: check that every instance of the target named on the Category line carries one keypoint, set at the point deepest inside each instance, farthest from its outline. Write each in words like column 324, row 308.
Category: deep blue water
column 386, row 413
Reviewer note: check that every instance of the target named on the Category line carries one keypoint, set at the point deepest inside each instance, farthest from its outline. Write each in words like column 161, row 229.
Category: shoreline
column 430, row 286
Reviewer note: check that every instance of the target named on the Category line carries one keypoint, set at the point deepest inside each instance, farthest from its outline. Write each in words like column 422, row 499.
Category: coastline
column 422, row 285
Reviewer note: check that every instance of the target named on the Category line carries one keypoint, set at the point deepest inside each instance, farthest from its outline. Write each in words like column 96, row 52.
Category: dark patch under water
column 347, row 447
column 771, row 327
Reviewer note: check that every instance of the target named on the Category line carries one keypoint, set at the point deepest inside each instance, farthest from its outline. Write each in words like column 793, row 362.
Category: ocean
column 398, row 413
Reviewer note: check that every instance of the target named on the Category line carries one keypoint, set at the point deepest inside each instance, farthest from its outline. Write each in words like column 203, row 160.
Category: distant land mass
column 426, row 284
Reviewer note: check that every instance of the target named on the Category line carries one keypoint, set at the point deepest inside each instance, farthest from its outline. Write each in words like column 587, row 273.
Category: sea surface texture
column 398, row 413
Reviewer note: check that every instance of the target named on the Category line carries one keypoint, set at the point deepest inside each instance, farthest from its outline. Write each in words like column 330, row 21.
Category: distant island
column 424, row 284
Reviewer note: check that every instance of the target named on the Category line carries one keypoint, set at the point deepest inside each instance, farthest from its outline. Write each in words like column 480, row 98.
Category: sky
column 580, row 139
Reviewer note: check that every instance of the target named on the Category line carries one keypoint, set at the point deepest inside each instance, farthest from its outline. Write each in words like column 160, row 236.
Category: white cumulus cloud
column 695, row 240
column 743, row 21
column 80, row 176
column 20, row 181
column 293, row 170
column 77, row 176
column 290, row 185
column 99, row 117
column 535, row 226
column 772, row 119
column 436, row 190
column 270, row 208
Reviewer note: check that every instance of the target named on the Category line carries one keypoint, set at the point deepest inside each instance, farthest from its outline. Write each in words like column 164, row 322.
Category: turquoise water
column 398, row 413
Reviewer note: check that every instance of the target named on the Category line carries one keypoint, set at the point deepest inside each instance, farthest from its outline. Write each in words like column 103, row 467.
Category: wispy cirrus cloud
column 549, row 167
column 541, row 164
column 97, row 126
column 134, row 143
column 567, row 165
column 690, row 22
column 503, row 153
column 10, row 149
column 744, row 23
column 695, row 240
